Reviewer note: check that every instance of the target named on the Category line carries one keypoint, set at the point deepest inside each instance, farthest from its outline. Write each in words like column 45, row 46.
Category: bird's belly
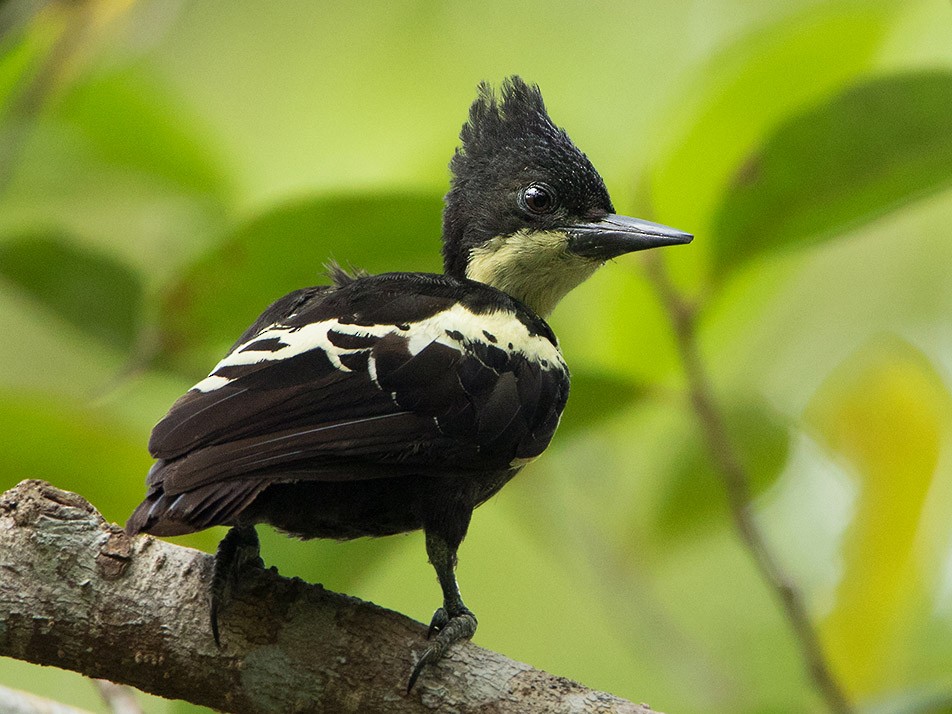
column 339, row 509
column 370, row 507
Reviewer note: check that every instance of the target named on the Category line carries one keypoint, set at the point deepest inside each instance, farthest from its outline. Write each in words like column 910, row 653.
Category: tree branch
column 737, row 487
column 78, row 593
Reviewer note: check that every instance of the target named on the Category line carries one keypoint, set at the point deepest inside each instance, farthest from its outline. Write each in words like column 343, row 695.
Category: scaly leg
column 452, row 622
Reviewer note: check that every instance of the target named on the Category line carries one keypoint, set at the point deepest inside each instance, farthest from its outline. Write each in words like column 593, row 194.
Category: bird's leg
column 238, row 550
column 454, row 621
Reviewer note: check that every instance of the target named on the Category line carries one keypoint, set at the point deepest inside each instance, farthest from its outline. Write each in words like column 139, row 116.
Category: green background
column 168, row 168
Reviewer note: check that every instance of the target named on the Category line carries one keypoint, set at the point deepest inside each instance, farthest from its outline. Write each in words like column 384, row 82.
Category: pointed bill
column 616, row 235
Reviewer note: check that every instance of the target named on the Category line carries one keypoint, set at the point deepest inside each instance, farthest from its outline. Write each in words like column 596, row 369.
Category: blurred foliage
column 91, row 291
column 887, row 411
column 167, row 169
column 863, row 153
column 201, row 315
column 694, row 491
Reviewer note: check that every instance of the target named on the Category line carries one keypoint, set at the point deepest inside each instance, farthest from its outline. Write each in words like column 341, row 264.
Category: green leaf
column 87, row 289
column 594, row 397
column 115, row 158
column 132, row 123
column 747, row 89
column 695, row 494
column 285, row 249
column 863, row 153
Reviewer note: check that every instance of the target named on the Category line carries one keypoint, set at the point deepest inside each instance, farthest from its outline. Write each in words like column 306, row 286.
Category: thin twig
column 737, row 486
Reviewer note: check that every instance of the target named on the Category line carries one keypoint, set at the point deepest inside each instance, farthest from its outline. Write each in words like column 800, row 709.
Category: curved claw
column 449, row 629
column 429, row 656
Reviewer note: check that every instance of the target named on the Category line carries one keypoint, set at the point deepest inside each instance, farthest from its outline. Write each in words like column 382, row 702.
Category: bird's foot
column 239, row 549
column 446, row 627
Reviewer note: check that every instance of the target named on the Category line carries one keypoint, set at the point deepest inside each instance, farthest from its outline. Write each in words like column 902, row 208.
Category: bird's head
column 527, row 212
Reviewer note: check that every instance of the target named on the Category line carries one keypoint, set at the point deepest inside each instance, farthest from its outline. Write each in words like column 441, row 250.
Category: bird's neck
column 535, row 267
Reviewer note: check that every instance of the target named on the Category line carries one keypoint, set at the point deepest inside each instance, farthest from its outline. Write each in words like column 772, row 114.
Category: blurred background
column 169, row 168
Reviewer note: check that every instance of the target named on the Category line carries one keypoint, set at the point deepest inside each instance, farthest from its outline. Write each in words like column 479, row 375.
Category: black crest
column 509, row 142
column 516, row 121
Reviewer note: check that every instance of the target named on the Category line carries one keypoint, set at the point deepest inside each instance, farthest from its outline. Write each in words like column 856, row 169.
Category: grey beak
column 616, row 235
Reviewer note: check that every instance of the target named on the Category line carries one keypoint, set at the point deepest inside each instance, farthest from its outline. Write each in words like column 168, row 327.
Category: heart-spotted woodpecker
column 388, row 403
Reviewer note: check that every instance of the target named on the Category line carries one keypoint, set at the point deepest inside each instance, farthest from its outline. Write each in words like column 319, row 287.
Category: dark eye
column 538, row 198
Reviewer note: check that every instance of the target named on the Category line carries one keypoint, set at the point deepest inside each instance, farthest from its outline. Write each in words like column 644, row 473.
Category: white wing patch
column 291, row 341
column 455, row 327
column 500, row 328
column 211, row 383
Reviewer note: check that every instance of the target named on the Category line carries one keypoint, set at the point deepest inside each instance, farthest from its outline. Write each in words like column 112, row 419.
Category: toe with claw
column 445, row 629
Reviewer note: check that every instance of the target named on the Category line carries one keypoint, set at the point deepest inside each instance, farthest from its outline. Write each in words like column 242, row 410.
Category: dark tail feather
column 215, row 504
column 137, row 521
column 150, row 517
column 144, row 516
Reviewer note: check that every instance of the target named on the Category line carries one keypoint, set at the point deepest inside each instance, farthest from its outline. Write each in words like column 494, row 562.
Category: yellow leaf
column 886, row 411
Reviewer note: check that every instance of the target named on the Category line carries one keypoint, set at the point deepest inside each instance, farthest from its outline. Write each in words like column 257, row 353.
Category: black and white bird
column 388, row 403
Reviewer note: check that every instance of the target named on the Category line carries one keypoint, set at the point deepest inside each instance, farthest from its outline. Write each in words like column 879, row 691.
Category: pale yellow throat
column 535, row 267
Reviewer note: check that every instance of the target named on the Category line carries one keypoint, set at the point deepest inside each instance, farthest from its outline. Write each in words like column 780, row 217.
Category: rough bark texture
column 77, row 593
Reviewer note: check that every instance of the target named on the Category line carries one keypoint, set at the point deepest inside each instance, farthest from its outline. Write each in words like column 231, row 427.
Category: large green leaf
column 132, row 123
column 848, row 160
column 285, row 249
column 695, row 492
column 746, row 90
column 113, row 156
column 88, row 289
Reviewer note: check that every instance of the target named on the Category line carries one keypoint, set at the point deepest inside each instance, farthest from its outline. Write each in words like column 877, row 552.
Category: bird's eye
column 538, row 198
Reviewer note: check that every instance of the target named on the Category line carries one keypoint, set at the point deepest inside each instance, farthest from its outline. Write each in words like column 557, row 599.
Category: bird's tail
column 169, row 514
column 149, row 516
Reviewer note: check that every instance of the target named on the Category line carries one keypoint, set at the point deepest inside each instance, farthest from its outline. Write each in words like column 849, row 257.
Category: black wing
column 373, row 379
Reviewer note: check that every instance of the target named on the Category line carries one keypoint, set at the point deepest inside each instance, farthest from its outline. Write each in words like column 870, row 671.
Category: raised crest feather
column 517, row 111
